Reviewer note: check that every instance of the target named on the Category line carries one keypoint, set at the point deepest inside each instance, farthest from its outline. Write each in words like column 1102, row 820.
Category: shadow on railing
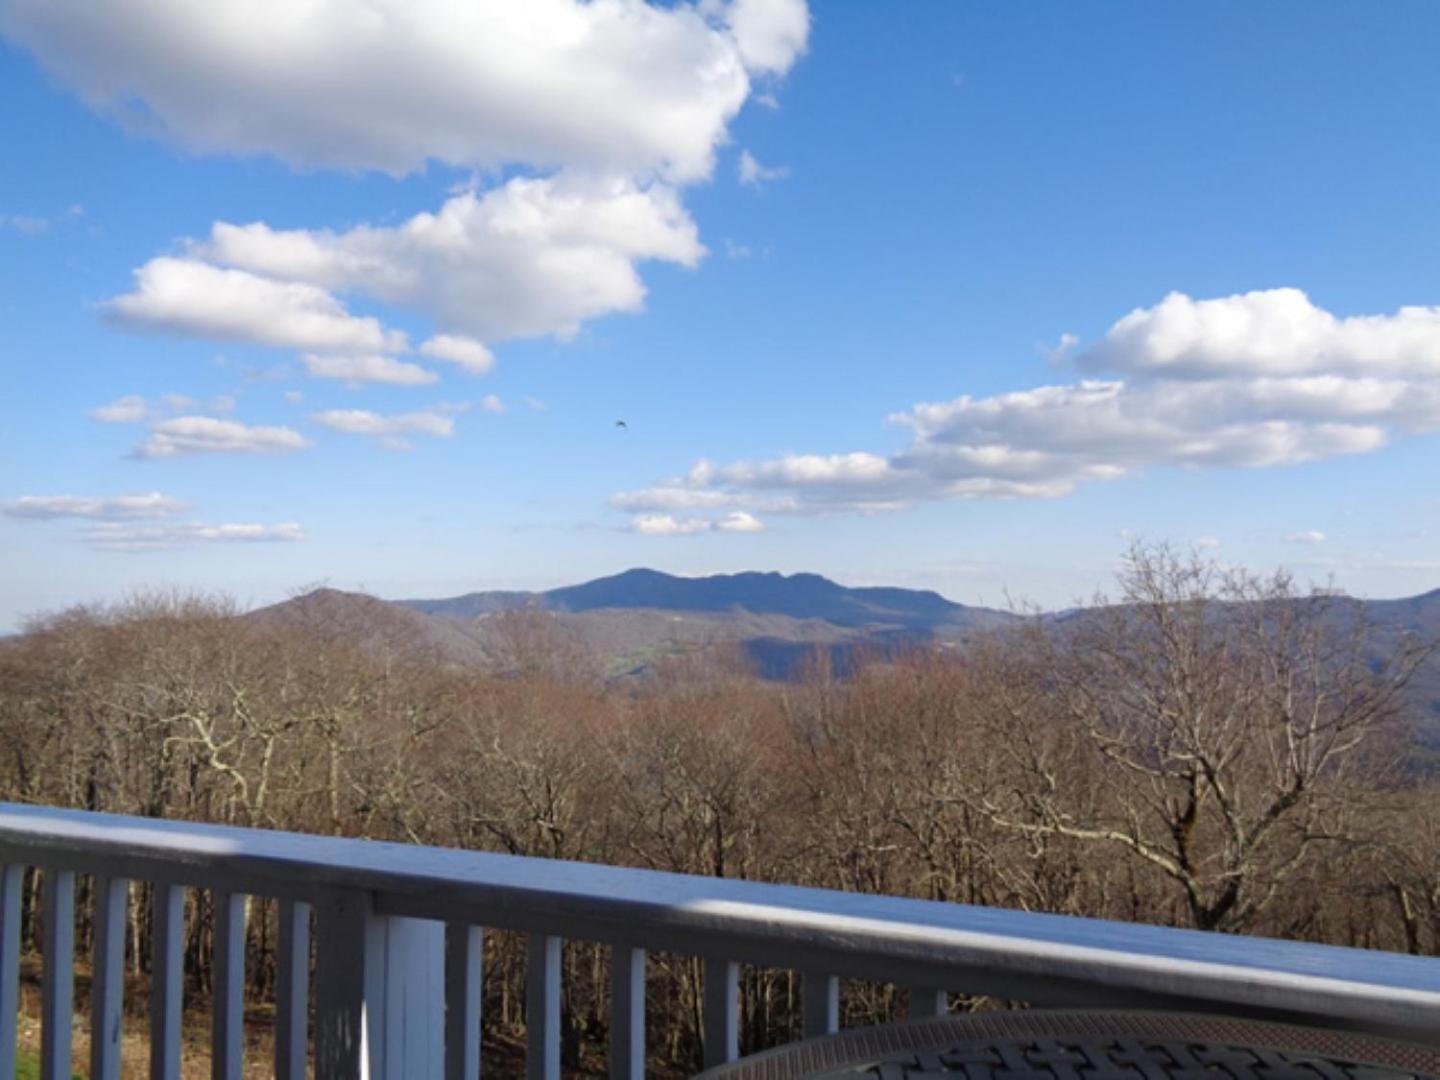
column 398, row 950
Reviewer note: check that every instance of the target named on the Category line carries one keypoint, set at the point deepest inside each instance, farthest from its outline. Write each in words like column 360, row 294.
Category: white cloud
column 769, row 33
column 135, row 409
column 367, row 369
column 113, row 508
column 470, row 355
column 669, row 525
column 130, row 409
column 1309, row 536
column 26, row 224
column 294, row 397
column 617, row 85
column 1058, row 352
column 1253, row 381
column 609, row 108
column 754, row 174
column 190, row 297
column 536, row 405
column 389, row 430
column 740, row 522
column 1207, row 543
column 492, row 404
column 141, row 538
column 533, row 257
column 207, row 435
column 1269, row 332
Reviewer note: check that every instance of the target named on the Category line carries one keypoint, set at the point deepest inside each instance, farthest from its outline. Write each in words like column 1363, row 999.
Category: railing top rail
column 1024, row 955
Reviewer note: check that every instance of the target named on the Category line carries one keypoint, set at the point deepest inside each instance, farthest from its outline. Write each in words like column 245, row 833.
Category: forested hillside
column 1152, row 762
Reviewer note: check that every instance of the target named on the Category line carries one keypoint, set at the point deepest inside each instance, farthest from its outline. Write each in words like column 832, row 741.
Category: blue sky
column 879, row 290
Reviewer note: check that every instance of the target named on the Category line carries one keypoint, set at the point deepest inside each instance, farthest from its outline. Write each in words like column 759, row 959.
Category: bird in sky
column 622, row 424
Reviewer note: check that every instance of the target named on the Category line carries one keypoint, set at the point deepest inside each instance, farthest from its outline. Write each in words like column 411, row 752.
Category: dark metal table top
column 1044, row 1045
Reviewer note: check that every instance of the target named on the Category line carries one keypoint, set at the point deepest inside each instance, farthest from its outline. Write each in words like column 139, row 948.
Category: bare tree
column 1227, row 715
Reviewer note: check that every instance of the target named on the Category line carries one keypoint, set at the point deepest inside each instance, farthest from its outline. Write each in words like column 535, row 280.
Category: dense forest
column 1212, row 749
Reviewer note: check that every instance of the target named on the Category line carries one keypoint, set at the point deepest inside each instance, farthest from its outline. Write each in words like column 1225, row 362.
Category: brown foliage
column 1209, row 751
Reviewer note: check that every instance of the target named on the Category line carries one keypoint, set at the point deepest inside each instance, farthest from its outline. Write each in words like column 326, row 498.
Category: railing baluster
column 227, row 1032
column 819, row 1004
column 722, row 1012
column 166, row 981
column 292, row 991
column 107, row 985
column 926, row 1002
column 464, row 960
column 627, row 1013
column 58, row 978
column 12, row 879
column 542, row 1009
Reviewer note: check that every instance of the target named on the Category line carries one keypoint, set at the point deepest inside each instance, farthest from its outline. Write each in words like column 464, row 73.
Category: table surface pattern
column 1042, row 1045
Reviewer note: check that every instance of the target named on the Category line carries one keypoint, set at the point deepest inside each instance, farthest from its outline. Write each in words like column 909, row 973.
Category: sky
column 951, row 295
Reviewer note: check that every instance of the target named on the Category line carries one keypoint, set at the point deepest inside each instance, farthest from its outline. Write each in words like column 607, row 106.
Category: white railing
column 398, row 950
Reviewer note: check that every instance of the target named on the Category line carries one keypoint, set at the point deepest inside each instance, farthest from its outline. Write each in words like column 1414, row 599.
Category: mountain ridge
column 801, row 596
column 634, row 619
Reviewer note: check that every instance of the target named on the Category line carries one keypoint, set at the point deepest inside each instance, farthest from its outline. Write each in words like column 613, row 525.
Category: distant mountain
column 797, row 596
column 632, row 620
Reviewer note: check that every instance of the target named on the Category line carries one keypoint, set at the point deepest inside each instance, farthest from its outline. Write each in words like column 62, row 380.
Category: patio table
column 1076, row 1045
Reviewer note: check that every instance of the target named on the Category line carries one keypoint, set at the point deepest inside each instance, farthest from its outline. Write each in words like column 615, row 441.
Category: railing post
column 722, row 1012
column 227, row 1036
column 58, row 978
column 349, row 969
column 627, row 1013
column 414, row 1005
column 107, row 986
column 464, row 971
column 292, row 991
column 926, row 1002
column 379, row 993
column 542, row 1008
column 166, row 981
column 12, row 879
column 819, row 1004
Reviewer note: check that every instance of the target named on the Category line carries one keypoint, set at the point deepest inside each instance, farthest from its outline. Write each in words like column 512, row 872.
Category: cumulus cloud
column 614, row 86
column 668, row 525
column 753, row 174
column 1308, row 536
column 465, row 352
column 141, row 538
column 609, row 108
column 737, row 521
column 183, row 435
column 1251, row 381
column 112, row 508
column 130, row 409
column 740, row 522
column 190, row 297
column 390, row 431
column 1269, row 332
column 537, row 256
column 1058, row 352
column 367, row 369
column 492, row 404
column 136, row 409
column 768, row 33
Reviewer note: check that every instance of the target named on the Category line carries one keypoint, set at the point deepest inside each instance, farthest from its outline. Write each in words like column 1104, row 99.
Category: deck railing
column 398, row 950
